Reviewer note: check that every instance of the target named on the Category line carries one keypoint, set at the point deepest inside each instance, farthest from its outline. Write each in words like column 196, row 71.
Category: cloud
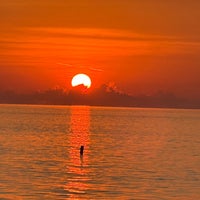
column 80, row 67
column 112, row 87
column 99, row 97
column 95, row 33
column 95, row 69
column 65, row 64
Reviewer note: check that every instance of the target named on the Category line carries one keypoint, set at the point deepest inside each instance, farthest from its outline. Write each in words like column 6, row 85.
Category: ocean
column 129, row 153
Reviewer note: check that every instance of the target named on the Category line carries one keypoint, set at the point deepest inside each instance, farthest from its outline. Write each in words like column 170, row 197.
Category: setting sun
column 81, row 79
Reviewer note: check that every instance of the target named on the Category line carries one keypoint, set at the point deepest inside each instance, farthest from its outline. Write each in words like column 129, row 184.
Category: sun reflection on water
column 78, row 167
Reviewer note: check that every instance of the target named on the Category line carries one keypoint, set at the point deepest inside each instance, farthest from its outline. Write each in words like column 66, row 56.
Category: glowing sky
column 141, row 45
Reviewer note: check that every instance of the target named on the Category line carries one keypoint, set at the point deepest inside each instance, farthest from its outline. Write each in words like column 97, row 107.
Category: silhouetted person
column 81, row 150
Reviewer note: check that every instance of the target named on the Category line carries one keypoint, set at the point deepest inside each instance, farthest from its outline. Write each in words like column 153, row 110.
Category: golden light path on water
column 79, row 135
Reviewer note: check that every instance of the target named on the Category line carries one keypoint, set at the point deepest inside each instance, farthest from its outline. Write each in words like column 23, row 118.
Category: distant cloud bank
column 106, row 95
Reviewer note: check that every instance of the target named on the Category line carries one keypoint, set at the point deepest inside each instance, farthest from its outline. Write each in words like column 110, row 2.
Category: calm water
column 139, row 154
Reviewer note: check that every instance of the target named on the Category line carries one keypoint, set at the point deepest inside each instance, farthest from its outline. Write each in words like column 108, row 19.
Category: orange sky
column 141, row 45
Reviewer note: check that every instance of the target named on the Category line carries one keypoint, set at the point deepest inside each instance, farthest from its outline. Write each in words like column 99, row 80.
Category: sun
column 81, row 79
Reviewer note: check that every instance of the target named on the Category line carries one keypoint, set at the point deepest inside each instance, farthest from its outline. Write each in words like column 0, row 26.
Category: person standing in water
column 81, row 150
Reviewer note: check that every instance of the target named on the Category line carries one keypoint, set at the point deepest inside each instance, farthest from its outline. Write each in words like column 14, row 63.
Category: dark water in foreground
column 140, row 154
